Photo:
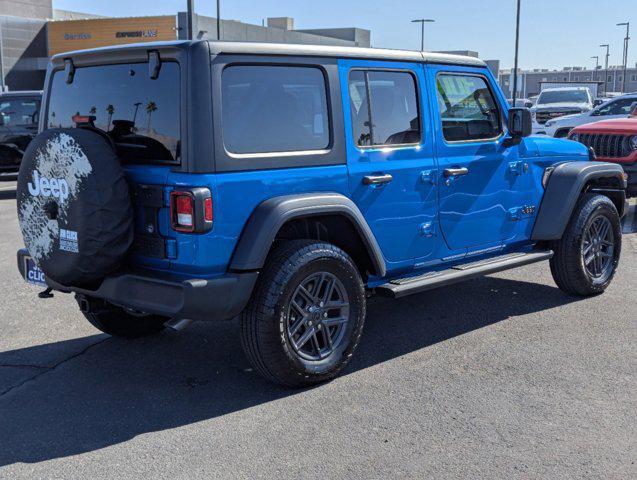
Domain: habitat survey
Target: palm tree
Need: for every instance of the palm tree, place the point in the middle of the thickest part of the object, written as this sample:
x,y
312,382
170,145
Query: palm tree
x,y
110,109
150,108
93,110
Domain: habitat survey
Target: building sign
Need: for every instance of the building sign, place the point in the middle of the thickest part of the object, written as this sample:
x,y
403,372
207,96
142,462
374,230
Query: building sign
x,y
137,34
67,35
77,36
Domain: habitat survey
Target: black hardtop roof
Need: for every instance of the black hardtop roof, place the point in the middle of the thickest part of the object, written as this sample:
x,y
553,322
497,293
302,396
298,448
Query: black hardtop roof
x,y
285,49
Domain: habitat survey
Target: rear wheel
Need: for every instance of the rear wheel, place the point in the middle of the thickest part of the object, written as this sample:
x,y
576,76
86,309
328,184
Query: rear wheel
x,y
306,315
117,322
587,255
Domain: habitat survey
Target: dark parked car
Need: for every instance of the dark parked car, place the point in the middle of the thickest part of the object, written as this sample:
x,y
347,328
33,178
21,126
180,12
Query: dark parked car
x,y
19,115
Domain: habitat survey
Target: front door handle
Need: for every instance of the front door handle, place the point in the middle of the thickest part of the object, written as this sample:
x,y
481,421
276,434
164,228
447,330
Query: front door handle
x,y
455,172
377,179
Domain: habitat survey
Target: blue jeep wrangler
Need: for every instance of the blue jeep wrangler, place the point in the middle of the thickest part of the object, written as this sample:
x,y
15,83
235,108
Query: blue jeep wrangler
x,y
285,183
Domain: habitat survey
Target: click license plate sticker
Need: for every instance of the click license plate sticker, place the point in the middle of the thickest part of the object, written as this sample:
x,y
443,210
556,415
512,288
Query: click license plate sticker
x,y
68,241
32,273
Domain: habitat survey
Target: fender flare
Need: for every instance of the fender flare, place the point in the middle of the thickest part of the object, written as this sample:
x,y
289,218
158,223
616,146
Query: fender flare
x,y
564,187
269,216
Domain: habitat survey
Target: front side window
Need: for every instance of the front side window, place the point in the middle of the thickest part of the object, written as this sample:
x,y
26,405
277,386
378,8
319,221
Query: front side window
x,y
467,108
140,114
268,109
384,108
618,107
19,112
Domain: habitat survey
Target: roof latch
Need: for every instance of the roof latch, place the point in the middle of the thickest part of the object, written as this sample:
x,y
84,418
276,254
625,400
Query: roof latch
x,y
154,64
69,70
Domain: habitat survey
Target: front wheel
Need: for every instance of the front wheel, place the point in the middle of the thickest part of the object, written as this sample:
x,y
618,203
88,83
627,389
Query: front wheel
x,y
306,314
587,255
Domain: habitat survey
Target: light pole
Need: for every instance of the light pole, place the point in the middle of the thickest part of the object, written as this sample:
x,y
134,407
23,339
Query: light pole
x,y
422,22
627,25
218,19
517,49
190,12
607,47
596,57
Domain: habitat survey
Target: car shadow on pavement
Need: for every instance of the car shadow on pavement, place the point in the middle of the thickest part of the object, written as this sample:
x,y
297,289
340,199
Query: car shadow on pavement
x,y
105,391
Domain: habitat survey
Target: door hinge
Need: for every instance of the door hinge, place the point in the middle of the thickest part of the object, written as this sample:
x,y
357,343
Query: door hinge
x,y
428,229
519,167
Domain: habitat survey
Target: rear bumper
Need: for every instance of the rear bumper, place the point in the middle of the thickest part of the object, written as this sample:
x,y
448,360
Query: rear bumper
x,y
199,299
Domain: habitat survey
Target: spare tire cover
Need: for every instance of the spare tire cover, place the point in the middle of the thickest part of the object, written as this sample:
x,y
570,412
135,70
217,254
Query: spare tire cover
x,y
74,207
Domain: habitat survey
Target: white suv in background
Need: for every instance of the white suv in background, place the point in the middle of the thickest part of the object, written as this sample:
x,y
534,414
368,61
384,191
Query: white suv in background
x,y
617,108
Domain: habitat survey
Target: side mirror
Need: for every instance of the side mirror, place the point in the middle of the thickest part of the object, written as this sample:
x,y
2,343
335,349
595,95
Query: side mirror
x,y
597,102
520,123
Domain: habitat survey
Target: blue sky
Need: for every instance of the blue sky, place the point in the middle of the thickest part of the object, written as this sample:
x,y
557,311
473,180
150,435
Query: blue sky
x,y
554,33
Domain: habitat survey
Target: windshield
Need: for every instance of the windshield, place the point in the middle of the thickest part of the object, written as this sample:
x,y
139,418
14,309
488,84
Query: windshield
x,y
19,111
566,96
140,114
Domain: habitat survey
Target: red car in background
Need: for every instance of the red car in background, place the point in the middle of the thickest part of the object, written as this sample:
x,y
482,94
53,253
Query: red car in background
x,y
613,141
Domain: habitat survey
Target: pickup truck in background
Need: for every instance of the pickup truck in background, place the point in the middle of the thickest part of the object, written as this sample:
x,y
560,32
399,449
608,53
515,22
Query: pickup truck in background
x,y
558,102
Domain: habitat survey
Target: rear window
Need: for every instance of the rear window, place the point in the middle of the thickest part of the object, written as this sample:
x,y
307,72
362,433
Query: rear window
x,y
140,114
19,111
274,109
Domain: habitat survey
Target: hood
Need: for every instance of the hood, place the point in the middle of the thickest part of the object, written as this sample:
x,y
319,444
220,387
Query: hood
x,y
559,147
568,117
617,126
549,107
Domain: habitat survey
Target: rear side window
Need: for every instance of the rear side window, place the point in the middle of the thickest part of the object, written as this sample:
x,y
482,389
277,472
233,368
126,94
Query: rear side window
x,y
267,109
19,112
467,108
384,108
140,114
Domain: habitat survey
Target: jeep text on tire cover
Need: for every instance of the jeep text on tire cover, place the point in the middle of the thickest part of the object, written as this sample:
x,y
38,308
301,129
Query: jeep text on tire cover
x,y
286,183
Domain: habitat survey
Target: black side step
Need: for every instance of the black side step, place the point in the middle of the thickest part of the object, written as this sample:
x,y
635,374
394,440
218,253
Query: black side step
x,y
406,286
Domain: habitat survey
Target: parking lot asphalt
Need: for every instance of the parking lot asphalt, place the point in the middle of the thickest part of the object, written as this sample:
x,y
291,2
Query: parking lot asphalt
x,y
501,377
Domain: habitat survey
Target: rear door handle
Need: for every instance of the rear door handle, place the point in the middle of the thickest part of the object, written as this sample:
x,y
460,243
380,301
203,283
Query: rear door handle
x,y
455,172
377,179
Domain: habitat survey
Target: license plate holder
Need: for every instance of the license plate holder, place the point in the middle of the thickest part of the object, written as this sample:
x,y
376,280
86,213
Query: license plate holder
x,y
32,273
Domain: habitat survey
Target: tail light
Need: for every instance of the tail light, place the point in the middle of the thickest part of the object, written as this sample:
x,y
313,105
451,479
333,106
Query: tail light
x,y
191,210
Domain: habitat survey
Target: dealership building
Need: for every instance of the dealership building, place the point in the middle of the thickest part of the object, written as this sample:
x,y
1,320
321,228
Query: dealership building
x,y
32,30
530,81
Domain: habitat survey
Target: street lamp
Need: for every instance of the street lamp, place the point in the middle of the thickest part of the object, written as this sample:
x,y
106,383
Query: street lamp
x,y
607,47
422,22
627,25
596,57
